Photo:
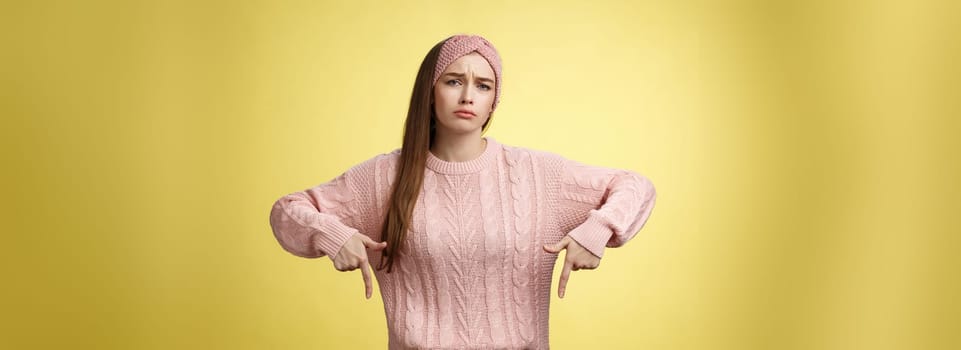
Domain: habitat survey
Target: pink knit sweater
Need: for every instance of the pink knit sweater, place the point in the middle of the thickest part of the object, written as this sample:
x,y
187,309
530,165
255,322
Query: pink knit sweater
x,y
473,273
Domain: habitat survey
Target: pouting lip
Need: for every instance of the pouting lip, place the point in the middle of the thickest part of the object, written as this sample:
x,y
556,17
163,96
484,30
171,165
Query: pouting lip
x,y
465,111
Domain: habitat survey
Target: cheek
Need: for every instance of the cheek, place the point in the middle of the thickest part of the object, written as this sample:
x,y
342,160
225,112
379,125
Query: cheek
x,y
444,97
489,101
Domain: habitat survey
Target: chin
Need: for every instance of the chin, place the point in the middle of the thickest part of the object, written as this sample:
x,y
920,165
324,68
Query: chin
x,y
462,126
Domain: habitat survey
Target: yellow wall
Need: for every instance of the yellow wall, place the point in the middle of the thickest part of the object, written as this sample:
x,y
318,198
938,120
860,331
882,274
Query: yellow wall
x,y
805,156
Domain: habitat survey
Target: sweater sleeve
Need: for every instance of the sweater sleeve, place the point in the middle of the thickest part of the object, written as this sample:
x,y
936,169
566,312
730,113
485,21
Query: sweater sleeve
x,y
603,207
318,221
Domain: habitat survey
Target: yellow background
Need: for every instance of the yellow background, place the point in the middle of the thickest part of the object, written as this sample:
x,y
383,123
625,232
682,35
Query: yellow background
x,y
805,157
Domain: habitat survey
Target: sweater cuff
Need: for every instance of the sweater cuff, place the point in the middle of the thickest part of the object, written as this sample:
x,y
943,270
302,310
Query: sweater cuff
x,y
593,235
333,238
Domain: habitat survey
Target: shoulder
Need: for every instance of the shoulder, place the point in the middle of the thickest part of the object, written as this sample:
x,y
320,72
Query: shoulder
x,y
547,165
538,157
379,161
556,167
387,162
373,167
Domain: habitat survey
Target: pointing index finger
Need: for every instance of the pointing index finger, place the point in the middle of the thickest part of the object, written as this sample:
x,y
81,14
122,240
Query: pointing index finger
x,y
565,275
368,290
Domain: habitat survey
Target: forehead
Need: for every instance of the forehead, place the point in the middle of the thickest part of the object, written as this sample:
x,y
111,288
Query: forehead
x,y
472,62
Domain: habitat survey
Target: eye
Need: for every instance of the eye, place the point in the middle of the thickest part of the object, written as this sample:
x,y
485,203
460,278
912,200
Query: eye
x,y
452,81
485,86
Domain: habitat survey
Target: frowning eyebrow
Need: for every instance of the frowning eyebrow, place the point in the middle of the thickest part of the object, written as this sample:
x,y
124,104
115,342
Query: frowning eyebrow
x,y
461,75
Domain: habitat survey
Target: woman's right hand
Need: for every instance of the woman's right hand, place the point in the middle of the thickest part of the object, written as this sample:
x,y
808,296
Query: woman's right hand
x,y
353,255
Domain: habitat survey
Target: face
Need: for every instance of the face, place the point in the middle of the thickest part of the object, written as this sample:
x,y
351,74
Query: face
x,y
466,85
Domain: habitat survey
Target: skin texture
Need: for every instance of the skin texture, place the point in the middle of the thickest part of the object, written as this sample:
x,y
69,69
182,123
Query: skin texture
x,y
462,86
577,258
467,83
353,255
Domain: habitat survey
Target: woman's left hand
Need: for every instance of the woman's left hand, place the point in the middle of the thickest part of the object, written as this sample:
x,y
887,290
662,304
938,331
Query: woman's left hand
x,y
577,258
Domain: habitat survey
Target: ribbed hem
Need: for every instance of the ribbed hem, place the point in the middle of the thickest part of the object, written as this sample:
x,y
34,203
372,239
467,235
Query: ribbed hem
x,y
333,238
593,235
471,166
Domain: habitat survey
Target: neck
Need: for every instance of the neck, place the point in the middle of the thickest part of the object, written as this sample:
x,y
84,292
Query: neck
x,y
458,148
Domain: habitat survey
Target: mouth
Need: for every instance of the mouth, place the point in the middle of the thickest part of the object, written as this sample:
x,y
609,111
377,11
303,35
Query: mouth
x,y
464,114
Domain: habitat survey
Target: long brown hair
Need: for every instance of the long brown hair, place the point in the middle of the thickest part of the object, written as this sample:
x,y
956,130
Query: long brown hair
x,y
418,138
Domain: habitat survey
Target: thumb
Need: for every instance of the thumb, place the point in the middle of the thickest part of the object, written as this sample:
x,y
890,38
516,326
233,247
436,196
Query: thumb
x,y
557,247
374,245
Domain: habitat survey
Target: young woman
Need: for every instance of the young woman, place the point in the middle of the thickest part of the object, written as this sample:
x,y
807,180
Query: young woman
x,y
465,230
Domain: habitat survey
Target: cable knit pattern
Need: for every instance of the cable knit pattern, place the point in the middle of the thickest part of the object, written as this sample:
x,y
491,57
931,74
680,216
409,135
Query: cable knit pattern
x,y
520,193
472,274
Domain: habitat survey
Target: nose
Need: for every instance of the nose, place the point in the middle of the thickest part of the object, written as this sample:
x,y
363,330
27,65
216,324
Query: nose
x,y
467,95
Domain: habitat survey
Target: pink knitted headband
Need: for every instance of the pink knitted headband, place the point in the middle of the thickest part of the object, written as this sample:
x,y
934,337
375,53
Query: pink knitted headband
x,y
460,45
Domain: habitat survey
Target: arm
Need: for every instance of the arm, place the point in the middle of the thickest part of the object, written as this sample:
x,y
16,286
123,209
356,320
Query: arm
x,y
319,220
608,206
